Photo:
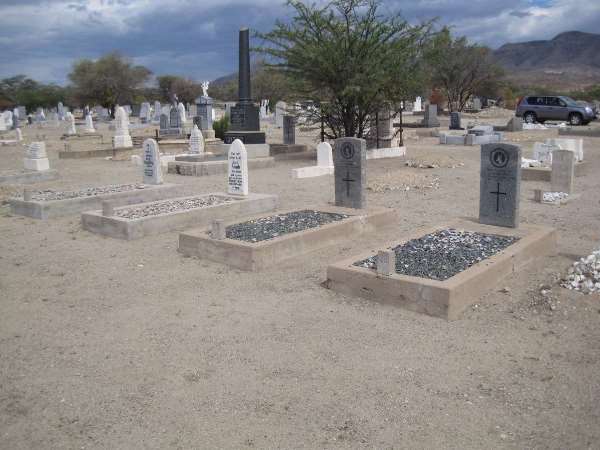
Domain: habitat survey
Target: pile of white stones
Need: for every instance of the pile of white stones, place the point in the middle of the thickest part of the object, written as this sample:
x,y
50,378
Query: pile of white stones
x,y
89,192
168,206
584,275
552,197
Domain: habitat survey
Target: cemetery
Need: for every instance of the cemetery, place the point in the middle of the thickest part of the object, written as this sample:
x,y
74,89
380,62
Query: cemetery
x,y
260,237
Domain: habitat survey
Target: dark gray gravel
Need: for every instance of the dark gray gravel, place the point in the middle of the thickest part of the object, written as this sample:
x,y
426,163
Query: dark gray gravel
x,y
443,254
168,206
89,192
270,227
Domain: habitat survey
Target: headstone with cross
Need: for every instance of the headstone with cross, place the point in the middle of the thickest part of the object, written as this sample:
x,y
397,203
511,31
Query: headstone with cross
x,y
350,170
500,184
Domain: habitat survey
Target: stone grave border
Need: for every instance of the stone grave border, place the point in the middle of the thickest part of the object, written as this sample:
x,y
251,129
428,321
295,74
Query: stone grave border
x,y
45,209
581,132
128,229
203,168
448,298
261,255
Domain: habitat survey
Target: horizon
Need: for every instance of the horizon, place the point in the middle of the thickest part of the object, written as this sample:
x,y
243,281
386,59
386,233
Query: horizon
x,y
176,37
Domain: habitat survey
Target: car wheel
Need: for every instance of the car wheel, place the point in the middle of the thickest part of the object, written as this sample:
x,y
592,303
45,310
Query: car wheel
x,y
530,117
575,119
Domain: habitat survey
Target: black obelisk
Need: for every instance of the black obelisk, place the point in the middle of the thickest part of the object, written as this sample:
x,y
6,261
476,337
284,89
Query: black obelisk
x,y
244,120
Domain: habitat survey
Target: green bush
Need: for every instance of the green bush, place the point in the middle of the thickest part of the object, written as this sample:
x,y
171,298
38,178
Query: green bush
x,y
221,126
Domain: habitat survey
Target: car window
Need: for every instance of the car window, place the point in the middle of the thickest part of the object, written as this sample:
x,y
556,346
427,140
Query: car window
x,y
532,100
552,101
562,103
541,101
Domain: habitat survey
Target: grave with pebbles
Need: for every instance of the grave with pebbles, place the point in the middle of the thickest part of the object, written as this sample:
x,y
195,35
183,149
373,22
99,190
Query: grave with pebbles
x,y
267,240
584,275
139,220
49,203
441,271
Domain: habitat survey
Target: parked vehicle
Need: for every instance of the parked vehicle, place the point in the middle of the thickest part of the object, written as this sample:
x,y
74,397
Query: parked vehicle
x,y
539,108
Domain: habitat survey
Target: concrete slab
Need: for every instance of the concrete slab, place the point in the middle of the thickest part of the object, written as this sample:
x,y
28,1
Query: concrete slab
x,y
380,153
283,149
204,168
260,255
123,228
97,153
579,131
445,299
39,209
545,173
29,176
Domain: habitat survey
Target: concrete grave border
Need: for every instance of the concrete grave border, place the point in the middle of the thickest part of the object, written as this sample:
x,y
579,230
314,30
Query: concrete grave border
x,y
29,176
128,229
260,255
204,168
448,298
545,173
40,209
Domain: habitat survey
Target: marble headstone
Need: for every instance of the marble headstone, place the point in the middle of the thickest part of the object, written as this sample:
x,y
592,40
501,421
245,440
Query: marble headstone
x,y
36,157
500,185
237,178
89,124
324,155
70,118
417,107
122,139
151,163
350,172
196,141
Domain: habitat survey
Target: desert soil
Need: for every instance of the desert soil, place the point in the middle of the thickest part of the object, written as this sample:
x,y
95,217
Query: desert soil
x,y
109,344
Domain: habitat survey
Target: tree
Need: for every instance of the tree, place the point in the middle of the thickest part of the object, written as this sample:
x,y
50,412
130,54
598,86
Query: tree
x,y
346,56
459,69
21,90
108,81
185,89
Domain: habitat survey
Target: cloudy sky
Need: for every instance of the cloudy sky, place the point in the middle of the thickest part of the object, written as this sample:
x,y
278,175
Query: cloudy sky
x,y
198,38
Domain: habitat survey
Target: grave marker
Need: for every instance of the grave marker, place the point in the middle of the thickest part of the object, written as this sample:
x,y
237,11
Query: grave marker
x,y
152,167
350,172
500,183
563,171
238,169
196,141
289,130
431,120
455,122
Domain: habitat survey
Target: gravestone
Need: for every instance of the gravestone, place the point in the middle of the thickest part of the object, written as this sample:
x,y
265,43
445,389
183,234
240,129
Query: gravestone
x,y
174,118
500,185
237,177
350,172
196,141
164,122
152,167
36,157
181,111
122,139
22,112
289,130
515,124
199,122
19,135
280,109
476,104
563,171
70,118
204,108
157,110
89,124
381,133
455,122
324,155
145,112
417,107
431,120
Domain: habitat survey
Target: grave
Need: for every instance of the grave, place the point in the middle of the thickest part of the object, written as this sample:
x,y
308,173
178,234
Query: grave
x,y
280,111
455,121
514,124
244,119
89,124
324,164
48,203
171,125
417,107
144,219
350,172
71,130
579,131
152,163
430,120
267,240
442,270
122,139
36,157
196,141
477,135
563,171
289,145
539,168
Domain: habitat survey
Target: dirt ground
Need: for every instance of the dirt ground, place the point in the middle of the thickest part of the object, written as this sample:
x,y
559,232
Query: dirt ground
x,y
108,344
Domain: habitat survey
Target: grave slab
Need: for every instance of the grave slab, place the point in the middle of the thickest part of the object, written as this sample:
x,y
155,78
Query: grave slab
x,y
447,298
381,153
579,131
45,209
545,173
134,221
255,256
27,176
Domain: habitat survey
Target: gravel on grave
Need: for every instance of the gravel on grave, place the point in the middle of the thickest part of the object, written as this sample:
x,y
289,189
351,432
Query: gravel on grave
x,y
273,226
168,206
443,254
89,192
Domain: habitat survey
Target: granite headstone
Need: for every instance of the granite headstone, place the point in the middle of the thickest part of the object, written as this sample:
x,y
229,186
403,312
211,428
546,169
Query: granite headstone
x,y
350,170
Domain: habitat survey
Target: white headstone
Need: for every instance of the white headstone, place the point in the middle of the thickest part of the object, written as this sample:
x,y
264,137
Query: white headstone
x,y
157,110
89,124
16,114
71,130
61,111
280,111
324,155
19,135
3,122
238,169
181,110
36,157
417,107
574,145
196,141
152,168
122,139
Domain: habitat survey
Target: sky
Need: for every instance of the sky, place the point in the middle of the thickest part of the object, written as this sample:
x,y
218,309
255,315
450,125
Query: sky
x,y
198,38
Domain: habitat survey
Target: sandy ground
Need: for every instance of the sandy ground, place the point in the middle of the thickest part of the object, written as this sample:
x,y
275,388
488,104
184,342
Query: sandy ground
x,y
107,344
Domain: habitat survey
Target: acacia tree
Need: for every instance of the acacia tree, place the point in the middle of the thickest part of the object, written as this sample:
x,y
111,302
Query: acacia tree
x,y
348,57
108,81
459,69
185,89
